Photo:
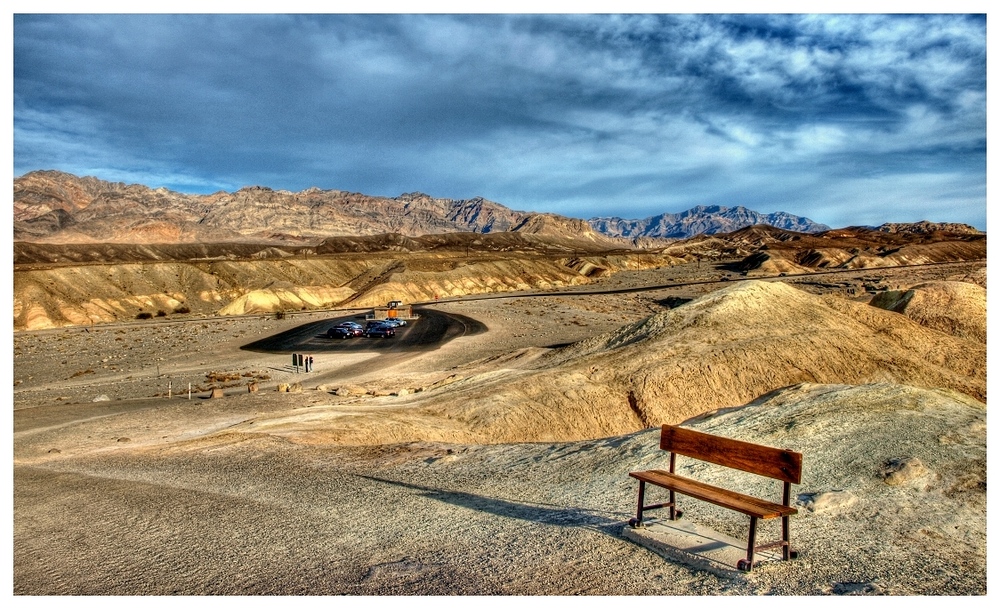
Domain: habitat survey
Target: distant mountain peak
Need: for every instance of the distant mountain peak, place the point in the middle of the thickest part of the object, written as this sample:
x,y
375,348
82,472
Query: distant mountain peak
x,y
702,220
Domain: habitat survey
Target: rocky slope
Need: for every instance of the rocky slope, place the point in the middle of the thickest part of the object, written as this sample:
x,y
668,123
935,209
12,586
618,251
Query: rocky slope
x,y
56,207
59,285
892,502
927,227
954,307
88,251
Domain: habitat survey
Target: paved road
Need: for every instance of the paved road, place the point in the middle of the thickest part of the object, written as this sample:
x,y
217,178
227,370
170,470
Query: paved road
x,y
432,329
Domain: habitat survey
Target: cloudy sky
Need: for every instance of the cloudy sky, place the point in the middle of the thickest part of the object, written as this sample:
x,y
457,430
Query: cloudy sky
x,y
845,119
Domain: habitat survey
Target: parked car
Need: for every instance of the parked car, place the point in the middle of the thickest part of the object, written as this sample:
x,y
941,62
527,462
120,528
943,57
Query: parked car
x,y
394,322
380,331
353,327
340,332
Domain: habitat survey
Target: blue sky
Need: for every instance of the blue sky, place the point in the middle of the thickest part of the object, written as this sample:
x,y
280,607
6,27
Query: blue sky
x,y
845,119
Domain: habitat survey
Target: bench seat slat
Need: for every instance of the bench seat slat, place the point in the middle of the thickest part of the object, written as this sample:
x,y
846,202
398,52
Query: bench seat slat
x,y
746,504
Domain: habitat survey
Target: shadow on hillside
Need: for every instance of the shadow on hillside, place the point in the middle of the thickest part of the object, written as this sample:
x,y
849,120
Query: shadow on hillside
x,y
736,266
672,302
534,512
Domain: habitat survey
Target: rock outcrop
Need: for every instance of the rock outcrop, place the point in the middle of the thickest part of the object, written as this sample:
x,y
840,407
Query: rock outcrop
x,y
953,307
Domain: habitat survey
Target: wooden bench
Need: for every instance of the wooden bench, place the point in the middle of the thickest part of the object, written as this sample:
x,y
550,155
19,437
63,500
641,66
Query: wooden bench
x,y
783,465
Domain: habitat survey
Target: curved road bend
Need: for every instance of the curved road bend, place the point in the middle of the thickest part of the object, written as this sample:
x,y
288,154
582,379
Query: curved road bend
x,y
430,331
433,328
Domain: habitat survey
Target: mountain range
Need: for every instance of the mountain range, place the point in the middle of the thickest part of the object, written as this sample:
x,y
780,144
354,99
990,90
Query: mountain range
x,y
57,207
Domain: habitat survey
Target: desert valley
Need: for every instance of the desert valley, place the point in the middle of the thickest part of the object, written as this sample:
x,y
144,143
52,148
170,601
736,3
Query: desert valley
x,y
165,444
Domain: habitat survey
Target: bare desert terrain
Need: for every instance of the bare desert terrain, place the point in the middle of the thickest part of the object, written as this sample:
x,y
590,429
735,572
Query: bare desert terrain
x,y
495,461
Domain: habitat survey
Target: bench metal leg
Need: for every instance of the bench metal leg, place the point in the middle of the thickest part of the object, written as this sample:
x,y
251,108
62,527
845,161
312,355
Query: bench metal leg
x,y
747,564
641,508
787,553
786,535
637,521
786,539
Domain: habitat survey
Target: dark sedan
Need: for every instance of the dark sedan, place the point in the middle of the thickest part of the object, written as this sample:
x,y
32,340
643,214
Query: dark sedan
x,y
340,332
380,331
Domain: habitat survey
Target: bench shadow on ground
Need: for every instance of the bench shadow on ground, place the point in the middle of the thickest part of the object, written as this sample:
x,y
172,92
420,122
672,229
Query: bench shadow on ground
x,y
602,521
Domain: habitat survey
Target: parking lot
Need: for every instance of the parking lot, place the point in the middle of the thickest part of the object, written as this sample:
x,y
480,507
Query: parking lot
x,y
428,330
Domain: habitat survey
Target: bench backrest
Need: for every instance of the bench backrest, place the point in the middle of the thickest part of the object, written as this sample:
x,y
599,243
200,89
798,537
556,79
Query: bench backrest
x,y
774,463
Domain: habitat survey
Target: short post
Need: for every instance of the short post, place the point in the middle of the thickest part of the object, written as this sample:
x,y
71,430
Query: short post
x,y
170,390
189,391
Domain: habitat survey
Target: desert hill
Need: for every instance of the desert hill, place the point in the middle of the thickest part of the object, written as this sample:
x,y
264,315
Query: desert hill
x,y
926,227
721,350
32,255
56,207
778,251
495,462
372,271
70,284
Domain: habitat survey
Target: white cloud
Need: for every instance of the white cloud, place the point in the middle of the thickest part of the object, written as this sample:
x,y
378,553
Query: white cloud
x,y
582,112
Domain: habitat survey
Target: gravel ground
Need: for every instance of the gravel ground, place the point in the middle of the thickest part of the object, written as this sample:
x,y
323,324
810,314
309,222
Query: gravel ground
x,y
254,515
